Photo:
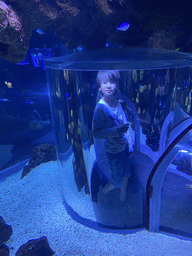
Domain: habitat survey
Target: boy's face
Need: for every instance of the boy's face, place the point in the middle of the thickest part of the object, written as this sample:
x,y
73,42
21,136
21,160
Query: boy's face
x,y
108,89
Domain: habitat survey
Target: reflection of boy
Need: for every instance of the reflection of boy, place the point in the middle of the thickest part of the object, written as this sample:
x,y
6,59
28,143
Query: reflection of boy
x,y
110,123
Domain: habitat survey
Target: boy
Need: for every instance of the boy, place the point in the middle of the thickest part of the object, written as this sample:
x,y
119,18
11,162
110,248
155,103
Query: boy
x,y
110,123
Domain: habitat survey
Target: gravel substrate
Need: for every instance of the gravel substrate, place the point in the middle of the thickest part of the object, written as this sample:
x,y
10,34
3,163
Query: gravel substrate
x,y
33,207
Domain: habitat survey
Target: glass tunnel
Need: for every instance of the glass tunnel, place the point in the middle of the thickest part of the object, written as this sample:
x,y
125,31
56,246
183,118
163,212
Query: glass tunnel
x,y
155,90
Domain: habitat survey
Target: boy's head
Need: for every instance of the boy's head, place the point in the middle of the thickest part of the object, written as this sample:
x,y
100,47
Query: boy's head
x,y
108,81
111,76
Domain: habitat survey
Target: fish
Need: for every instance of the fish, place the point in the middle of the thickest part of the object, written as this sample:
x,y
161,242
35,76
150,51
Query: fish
x,y
68,96
40,32
29,102
9,84
79,48
123,27
4,100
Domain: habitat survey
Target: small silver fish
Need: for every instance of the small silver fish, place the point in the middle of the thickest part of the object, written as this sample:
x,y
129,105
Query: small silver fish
x,y
123,27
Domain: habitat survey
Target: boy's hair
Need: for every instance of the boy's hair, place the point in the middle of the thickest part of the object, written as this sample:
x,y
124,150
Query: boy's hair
x,y
112,76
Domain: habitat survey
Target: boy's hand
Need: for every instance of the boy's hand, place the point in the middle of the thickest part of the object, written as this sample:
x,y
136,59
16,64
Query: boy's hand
x,y
122,128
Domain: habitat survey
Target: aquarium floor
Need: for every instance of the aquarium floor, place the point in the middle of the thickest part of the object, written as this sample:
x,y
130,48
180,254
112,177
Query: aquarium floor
x,y
33,207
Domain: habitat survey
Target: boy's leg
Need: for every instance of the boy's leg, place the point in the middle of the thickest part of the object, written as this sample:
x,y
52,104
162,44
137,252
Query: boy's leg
x,y
126,174
116,165
120,171
108,187
123,189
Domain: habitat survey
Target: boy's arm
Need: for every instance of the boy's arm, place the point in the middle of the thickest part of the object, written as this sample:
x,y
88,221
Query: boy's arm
x,y
101,128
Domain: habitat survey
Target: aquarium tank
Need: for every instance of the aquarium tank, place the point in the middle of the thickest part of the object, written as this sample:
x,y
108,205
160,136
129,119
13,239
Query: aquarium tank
x,y
25,120
155,90
25,112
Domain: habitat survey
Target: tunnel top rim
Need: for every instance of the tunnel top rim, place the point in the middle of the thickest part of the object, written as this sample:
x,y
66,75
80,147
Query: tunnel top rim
x,y
121,59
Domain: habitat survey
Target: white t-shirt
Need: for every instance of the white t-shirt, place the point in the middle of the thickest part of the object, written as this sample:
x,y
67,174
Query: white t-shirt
x,y
120,118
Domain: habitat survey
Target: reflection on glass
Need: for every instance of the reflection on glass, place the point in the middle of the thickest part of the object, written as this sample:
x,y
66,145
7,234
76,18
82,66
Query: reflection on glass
x,y
110,123
176,204
155,101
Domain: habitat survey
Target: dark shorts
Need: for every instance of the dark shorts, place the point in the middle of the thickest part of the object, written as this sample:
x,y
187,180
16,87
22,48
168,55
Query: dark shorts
x,y
120,166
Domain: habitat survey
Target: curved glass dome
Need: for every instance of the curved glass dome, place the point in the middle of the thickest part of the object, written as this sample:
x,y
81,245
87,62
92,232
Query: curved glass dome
x,y
155,91
121,59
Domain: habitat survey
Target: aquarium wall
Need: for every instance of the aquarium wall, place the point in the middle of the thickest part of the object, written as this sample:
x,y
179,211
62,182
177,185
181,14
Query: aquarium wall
x,y
25,119
155,89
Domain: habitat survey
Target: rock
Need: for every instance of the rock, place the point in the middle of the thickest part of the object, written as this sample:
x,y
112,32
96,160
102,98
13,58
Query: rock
x,y
76,23
14,38
4,249
35,247
5,230
25,171
169,39
50,154
43,154
45,147
37,155
3,16
32,164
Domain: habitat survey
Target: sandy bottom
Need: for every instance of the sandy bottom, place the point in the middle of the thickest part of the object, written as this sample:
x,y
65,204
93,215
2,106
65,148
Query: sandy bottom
x,y
33,207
